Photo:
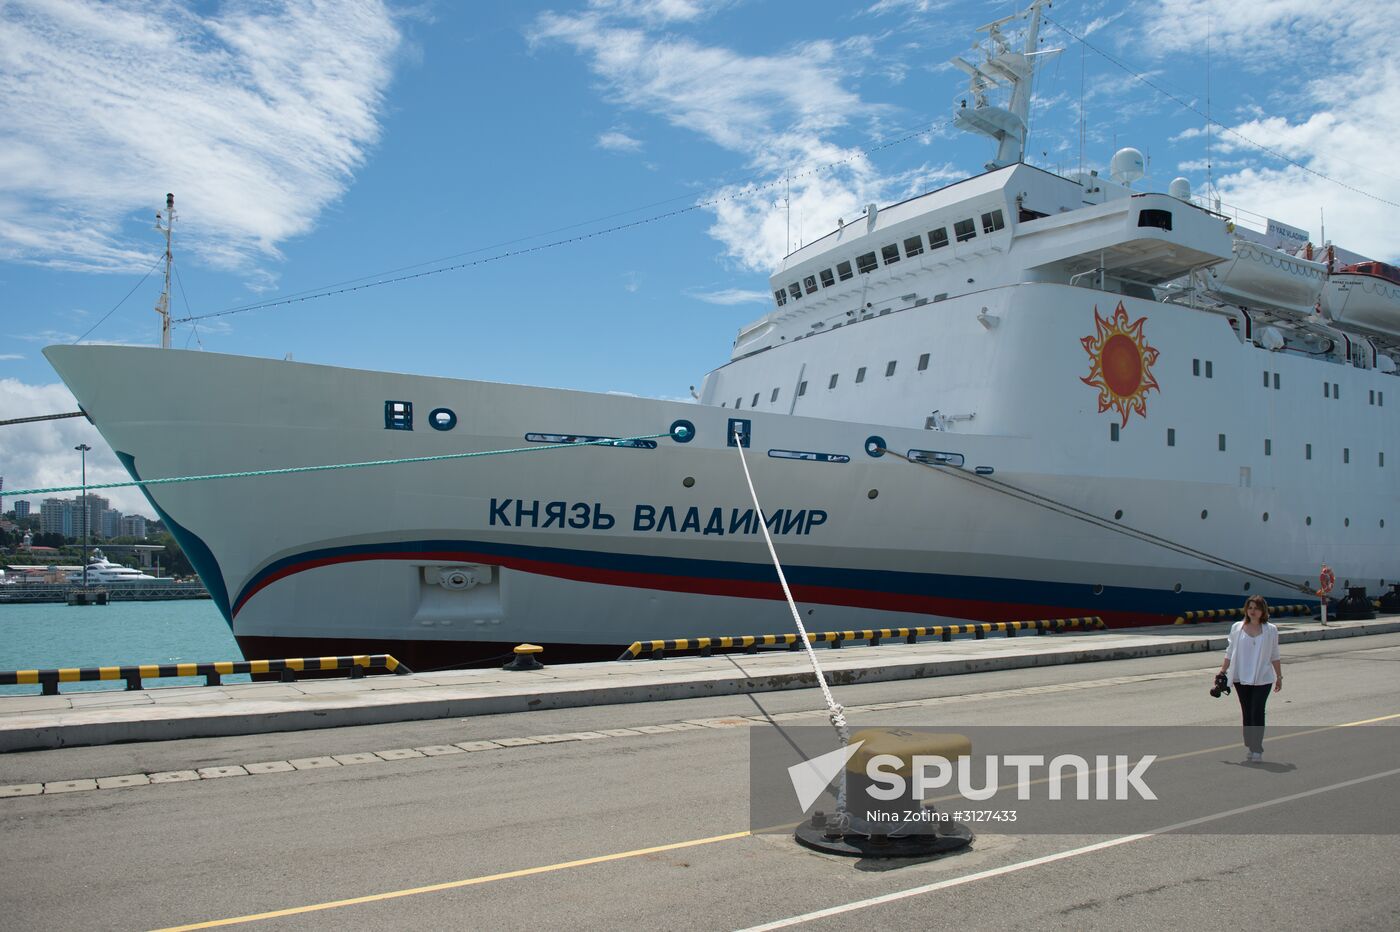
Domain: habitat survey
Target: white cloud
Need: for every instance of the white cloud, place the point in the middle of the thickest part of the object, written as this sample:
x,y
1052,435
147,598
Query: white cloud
x,y
41,455
616,141
777,110
254,115
10,356
1343,110
730,296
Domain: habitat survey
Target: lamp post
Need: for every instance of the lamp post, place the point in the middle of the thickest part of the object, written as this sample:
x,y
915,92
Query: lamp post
x,y
83,448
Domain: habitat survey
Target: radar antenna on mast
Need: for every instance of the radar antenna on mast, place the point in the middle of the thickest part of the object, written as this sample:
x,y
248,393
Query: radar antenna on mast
x,y
1004,68
163,304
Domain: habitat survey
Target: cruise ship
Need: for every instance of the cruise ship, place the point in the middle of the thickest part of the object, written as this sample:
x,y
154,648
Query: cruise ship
x,y
1024,395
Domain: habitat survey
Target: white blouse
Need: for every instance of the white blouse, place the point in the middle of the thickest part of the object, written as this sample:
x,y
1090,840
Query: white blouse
x,y
1251,658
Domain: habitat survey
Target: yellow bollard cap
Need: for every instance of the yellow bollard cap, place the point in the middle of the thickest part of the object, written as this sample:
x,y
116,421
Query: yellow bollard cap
x,y
904,744
529,649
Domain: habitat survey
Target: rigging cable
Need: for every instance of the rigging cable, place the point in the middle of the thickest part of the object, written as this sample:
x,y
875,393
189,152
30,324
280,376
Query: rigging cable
x,y
122,301
1196,110
352,285
1069,511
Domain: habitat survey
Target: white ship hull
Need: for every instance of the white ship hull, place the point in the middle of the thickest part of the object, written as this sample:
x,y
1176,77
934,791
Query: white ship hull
x,y
586,549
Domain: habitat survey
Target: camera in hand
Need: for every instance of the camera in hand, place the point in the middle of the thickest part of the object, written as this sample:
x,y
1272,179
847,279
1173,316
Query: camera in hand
x,y
1222,685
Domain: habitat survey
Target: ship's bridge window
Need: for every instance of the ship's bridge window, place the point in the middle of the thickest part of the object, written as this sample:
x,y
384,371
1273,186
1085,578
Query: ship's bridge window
x,y
781,296
923,362
810,283
795,290
938,238
890,253
774,398
913,246
866,263
1161,219
843,270
832,383
889,369
860,375
801,389
754,403
827,278
993,221
964,230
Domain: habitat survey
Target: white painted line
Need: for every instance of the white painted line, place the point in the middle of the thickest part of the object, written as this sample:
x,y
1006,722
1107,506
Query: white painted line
x,y
1058,856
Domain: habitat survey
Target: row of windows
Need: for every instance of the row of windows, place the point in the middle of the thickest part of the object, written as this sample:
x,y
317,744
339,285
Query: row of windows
x,y
831,383
1114,433
963,230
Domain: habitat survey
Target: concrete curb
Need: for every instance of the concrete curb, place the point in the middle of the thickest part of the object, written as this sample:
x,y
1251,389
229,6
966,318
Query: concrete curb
x,y
74,728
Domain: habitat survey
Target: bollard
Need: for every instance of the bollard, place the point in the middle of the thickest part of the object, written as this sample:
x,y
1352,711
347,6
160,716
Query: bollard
x,y
525,658
1355,607
915,834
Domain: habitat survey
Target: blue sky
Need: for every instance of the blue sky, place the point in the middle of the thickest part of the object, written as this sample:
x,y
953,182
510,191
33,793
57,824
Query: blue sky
x,y
315,143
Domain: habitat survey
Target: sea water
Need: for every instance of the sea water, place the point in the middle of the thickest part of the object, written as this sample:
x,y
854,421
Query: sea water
x,y
46,636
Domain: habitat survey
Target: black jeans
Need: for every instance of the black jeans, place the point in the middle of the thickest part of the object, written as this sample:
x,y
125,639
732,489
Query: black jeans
x,y
1252,702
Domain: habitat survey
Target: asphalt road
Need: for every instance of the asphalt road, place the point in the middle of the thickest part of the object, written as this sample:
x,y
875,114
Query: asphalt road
x,y
650,830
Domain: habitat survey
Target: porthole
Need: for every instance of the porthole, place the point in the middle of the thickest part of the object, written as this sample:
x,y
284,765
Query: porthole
x,y
1246,587
688,482
1204,513
442,418
873,493
1098,589
1382,522
1266,516
1117,515
1308,521
1346,522
1176,588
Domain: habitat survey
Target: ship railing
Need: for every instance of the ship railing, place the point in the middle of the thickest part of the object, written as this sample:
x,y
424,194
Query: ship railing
x,y
872,637
286,670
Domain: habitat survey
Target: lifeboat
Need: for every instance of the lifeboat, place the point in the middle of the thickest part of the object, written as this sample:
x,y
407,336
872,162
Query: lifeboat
x,y
1258,276
1365,296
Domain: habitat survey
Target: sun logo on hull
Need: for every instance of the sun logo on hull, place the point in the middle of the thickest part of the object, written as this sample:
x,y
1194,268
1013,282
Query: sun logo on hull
x,y
1120,364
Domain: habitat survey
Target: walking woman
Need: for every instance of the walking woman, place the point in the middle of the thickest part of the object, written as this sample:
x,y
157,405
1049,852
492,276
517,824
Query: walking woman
x,y
1251,659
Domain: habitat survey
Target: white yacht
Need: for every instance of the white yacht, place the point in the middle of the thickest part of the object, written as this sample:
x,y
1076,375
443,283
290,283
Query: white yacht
x,y
1020,396
103,572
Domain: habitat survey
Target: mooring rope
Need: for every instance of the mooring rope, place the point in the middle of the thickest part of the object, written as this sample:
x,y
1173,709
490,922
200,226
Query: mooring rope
x,y
620,441
41,417
1069,511
835,712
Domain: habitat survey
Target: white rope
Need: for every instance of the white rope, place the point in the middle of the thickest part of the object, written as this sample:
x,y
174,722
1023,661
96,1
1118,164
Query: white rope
x,y
834,709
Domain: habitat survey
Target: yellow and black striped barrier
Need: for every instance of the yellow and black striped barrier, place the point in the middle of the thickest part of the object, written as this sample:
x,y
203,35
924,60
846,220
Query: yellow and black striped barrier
x,y
751,643
355,667
1220,614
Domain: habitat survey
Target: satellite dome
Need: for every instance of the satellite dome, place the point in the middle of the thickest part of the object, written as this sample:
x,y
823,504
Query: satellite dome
x,y
1180,189
1127,166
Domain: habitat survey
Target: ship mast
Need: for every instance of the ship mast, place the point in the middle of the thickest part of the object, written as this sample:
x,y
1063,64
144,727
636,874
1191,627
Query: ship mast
x,y
1004,67
163,304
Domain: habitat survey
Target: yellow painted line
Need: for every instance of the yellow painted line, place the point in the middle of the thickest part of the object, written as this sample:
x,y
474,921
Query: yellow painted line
x,y
456,884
